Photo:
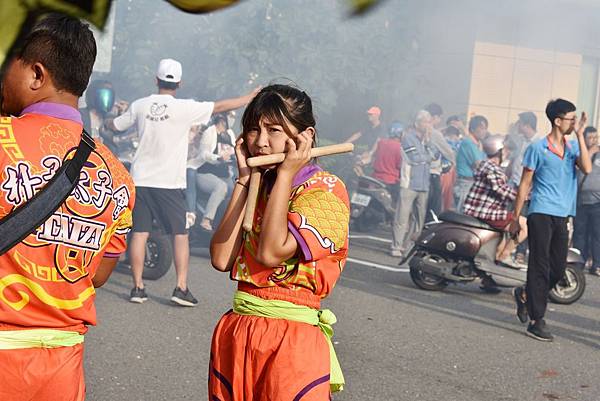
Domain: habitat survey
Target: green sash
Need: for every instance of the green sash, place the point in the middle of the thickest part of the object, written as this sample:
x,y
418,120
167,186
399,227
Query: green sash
x,y
39,338
246,304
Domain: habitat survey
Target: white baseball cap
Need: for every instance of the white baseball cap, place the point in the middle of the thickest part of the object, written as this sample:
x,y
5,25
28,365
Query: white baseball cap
x,y
169,70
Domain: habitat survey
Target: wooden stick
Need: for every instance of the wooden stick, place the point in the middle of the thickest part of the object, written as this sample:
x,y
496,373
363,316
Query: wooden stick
x,y
253,188
315,152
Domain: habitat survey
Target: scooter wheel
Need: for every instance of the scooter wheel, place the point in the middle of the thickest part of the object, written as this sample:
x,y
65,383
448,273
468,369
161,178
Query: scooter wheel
x,y
570,288
427,281
159,256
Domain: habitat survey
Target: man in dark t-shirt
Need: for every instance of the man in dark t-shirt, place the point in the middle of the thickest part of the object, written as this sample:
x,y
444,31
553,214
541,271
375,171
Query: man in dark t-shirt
x,y
374,130
366,139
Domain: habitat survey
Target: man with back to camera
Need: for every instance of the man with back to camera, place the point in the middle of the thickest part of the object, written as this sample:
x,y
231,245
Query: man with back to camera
x,y
387,159
549,171
47,280
159,170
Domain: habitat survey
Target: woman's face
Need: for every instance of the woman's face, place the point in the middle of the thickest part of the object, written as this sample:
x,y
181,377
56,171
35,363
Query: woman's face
x,y
268,138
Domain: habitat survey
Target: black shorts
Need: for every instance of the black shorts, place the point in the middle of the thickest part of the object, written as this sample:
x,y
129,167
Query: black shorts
x,y
166,206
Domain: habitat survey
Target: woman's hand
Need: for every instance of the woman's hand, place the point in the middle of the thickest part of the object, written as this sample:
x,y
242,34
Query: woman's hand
x,y
242,154
514,227
297,155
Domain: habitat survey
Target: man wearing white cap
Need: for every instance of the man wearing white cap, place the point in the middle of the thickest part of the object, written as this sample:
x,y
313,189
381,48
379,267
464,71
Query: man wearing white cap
x,y
159,170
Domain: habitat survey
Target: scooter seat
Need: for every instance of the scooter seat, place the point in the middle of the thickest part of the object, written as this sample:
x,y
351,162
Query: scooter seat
x,y
372,180
464,220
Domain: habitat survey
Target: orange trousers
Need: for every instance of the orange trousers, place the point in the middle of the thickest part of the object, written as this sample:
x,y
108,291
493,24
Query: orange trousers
x,y
42,374
262,359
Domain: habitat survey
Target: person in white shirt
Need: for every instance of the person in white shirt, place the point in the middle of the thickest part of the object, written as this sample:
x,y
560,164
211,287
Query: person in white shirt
x,y
159,170
210,169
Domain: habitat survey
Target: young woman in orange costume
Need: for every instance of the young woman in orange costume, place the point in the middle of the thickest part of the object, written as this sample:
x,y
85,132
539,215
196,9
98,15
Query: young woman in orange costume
x,y
275,344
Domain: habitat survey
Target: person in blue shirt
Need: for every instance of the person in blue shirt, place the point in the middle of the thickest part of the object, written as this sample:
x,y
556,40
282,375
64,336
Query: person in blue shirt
x,y
549,170
468,157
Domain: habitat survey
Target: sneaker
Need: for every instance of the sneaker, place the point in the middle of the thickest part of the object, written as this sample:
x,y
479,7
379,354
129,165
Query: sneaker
x,y
396,253
183,298
205,225
489,286
538,331
595,271
521,305
138,295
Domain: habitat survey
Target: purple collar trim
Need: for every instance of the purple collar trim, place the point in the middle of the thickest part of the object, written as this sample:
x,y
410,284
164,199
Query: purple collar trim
x,y
305,173
56,110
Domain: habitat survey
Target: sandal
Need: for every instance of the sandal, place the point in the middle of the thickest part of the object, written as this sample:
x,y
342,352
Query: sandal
x,y
205,225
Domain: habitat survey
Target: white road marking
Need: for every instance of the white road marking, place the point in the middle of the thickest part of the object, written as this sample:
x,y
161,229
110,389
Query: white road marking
x,y
359,236
378,266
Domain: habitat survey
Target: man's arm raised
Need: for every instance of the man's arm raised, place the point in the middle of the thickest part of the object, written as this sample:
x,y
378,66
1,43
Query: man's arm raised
x,y
235,103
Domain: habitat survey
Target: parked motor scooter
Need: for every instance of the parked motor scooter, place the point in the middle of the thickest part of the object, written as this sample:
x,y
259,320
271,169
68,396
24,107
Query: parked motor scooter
x,y
459,248
371,203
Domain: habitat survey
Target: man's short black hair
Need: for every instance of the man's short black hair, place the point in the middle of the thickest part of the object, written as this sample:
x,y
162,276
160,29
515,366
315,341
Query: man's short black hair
x,y
476,121
65,46
167,85
452,118
528,118
451,131
434,109
558,108
589,130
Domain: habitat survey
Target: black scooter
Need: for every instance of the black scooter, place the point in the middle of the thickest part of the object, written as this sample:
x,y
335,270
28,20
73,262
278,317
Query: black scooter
x,y
459,248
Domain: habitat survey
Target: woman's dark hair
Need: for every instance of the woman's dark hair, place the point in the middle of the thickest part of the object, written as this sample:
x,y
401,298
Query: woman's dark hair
x,y
282,105
558,108
167,85
65,46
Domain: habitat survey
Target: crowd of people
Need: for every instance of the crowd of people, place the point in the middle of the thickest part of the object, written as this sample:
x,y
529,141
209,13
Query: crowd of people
x,y
517,183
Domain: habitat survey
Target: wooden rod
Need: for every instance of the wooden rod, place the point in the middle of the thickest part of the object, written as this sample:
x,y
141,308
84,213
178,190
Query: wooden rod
x,y
253,188
315,152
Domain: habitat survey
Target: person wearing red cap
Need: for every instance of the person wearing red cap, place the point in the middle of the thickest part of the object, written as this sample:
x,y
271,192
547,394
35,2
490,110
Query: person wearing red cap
x,y
366,139
368,136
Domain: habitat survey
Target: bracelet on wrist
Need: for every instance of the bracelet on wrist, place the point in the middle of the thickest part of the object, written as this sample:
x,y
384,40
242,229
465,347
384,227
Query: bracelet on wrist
x,y
243,185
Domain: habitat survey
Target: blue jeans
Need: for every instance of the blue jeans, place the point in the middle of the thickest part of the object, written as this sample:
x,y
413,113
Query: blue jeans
x,y
209,183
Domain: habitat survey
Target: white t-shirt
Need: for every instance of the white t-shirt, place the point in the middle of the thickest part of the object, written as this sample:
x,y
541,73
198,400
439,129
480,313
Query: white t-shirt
x,y
163,124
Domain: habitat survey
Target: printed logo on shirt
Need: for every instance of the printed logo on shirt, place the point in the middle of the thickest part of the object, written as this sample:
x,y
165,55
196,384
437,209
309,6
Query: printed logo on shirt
x,y
73,231
158,112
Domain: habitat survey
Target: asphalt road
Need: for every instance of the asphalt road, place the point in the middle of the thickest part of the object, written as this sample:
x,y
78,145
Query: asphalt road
x,y
394,341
